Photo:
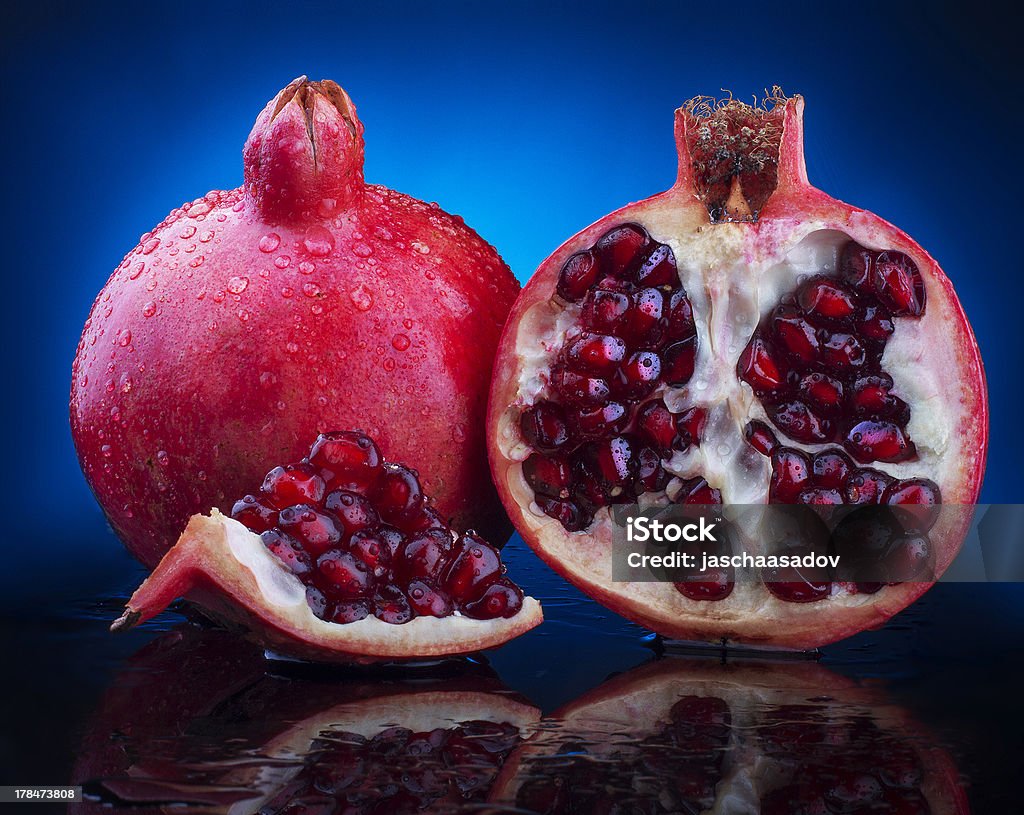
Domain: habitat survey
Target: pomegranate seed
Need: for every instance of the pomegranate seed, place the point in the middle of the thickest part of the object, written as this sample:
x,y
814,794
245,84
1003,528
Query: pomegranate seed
x,y
349,611
429,518
500,599
909,558
294,484
650,475
874,323
902,768
791,473
317,602
354,511
717,589
866,486
288,551
614,460
544,426
425,556
822,391
474,566
398,496
547,475
677,362
830,469
347,460
391,605
853,790
760,437
820,496
595,354
601,420
370,547
796,589
870,395
656,426
429,601
843,352
856,266
256,513
826,298
620,250
567,513
878,441
316,531
580,390
795,335
659,268
603,311
588,489
798,421
639,376
918,500
342,576
680,317
690,426
759,367
579,273
642,325
898,284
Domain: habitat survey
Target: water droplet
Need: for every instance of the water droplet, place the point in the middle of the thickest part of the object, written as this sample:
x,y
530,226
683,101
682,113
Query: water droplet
x,y
269,242
206,237
150,246
162,458
124,337
218,296
389,364
318,241
407,322
307,267
137,270
287,291
149,309
196,262
106,450
237,284
187,232
362,297
422,248
400,342
282,261
459,432
291,347
311,290
362,250
243,315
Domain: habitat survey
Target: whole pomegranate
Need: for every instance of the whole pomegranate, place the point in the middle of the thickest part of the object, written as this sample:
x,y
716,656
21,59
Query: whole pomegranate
x,y
741,338
305,300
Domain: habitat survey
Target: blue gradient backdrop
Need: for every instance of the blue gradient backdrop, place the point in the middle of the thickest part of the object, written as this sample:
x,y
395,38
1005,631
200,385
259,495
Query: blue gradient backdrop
x,y
530,120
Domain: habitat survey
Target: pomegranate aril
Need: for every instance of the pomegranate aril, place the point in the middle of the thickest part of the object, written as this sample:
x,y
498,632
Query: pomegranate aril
x,y
639,376
918,500
474,566
690,426
830,468
650,475
316,531
355,512
760,367
547,475
678,360
658,268
391,605
874,323
578,389
288,551
614,460
256,513
794,334
500,599
544,426
866,486
791,586
347,611
398,496
856,266
870,395
791,474
680,317
603,311
428,518
588,489
579,273
711,590
822,391
656,425
826,298
820,496
425,555
843,352
341,576
595,354
898,284
317,602
294,484
909,558
568,513
798,421
429,601
619,250
642,325
372,549
760,437
347,460
878,441
599,420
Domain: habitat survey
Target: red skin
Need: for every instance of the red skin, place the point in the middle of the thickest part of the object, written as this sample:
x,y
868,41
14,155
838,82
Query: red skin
x,y
230,375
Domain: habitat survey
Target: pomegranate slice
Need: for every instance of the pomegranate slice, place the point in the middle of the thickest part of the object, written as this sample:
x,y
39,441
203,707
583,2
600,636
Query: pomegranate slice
x,y
775,739
362,574
746,332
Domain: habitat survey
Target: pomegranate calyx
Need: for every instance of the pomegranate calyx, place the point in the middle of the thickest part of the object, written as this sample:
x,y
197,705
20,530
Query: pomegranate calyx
x,y
226,566
306,147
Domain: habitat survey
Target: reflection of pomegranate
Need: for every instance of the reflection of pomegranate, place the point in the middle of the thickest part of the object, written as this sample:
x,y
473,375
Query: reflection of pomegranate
x,y
741,338
306,300
699,736
193,719
341,557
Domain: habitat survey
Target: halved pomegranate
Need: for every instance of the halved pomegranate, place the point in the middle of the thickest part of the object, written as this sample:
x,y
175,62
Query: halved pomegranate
x,y
741,338
775,739
341,557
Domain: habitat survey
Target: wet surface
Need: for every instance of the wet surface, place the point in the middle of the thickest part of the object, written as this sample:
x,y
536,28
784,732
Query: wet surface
x,y
584,714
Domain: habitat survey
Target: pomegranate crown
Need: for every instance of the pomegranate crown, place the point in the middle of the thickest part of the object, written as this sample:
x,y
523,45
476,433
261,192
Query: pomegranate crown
x,y
304,155
734,156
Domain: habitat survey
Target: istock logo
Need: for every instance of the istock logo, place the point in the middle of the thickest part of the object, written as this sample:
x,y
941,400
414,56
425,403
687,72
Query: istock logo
x,y
642,530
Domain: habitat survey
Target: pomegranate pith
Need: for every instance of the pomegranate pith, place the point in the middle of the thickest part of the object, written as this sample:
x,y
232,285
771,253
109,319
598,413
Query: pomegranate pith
x,y
806,352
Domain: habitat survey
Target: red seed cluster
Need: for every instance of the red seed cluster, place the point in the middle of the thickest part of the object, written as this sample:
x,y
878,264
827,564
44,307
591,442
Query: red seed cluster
x,y
599,436
362,536
815,362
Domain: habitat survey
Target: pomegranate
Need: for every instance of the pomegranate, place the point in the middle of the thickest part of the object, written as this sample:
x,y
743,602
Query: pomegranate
x,y
251,319
769,738
222,735
341,558
741,338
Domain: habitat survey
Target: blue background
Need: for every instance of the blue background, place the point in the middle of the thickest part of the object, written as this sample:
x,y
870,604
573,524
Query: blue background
x,y
530,120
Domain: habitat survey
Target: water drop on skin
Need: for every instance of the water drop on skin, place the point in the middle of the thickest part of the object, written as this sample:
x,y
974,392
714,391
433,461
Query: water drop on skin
x,y
269,242
236,285
400,342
